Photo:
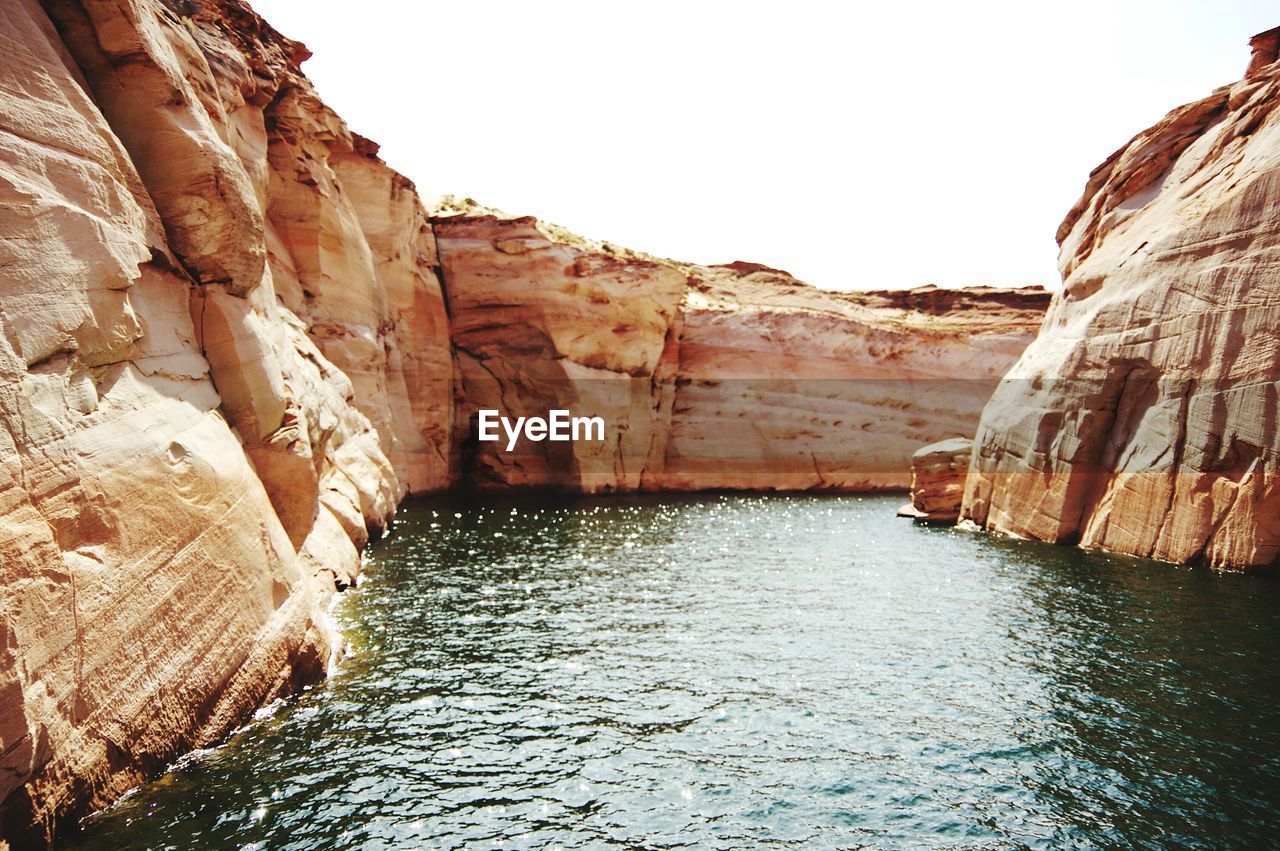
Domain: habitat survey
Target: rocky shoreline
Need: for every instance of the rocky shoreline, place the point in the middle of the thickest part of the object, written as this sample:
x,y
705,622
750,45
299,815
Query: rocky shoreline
x,y
235,339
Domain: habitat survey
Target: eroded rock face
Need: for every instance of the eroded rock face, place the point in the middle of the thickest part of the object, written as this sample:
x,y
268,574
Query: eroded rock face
x,y
937,480
1143,418
192,244
784,386
727,377
226,356
541,324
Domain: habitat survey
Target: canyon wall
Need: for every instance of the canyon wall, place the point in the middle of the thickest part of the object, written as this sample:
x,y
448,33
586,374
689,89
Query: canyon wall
x,y
233,339
710,377
225,358
1143,418
784,386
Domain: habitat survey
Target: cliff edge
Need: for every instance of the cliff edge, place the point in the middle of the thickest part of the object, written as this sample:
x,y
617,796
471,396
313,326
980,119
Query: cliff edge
x,y
730,377
206,285
1142,420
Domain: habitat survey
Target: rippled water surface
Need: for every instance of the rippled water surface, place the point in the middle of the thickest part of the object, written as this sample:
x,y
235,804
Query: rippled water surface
x,y
737,672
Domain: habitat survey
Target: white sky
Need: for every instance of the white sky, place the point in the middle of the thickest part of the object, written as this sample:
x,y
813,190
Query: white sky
x,y
857,146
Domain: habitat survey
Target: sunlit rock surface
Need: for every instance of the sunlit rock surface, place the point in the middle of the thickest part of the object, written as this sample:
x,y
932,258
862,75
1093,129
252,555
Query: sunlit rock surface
x,y
185,471
227,355
782,385
1143,418
734,376
937,480
542,324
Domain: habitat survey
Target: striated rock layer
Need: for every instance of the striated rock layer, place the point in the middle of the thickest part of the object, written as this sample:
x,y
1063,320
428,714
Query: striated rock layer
x,y
1143,418
225,358
781,385
938,474
227,354
722,377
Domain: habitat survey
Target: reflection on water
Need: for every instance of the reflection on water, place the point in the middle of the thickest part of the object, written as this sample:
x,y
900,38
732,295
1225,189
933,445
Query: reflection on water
x,y
742,671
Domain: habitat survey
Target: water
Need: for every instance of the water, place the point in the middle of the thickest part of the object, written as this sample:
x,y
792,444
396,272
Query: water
x,y
739,672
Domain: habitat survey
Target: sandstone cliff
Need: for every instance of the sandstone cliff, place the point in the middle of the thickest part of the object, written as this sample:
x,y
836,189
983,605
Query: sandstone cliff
x,y
785,386
1143,418
227,353
721,377
206,286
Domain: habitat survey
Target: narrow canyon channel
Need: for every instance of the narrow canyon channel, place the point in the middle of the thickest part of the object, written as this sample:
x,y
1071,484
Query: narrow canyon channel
x,y
730,671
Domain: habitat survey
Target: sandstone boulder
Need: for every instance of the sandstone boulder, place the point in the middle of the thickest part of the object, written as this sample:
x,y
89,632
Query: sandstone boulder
x,y
937,480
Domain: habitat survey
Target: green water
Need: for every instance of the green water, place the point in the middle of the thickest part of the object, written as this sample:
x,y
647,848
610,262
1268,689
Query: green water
x,y
738,672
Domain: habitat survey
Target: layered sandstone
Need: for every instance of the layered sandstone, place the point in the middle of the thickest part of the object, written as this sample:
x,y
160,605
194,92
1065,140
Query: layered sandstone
x,y
722,377
227,354
541,324
224,356
781,385
1143,418
938,474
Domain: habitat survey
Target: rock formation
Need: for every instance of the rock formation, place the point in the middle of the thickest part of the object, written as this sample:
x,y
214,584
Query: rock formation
x,y
226,356
788,387
206,286
1143,418
721,377
540,324
937,481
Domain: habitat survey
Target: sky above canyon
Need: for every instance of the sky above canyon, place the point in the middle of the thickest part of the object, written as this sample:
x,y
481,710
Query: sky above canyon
x,y
856,146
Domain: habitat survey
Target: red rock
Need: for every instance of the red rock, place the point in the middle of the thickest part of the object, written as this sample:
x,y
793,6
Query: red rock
x,y
937,480
1142,419
722,377
226,356
181,468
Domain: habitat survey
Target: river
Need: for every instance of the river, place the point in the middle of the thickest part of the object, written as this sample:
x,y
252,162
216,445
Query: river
x,y
749,671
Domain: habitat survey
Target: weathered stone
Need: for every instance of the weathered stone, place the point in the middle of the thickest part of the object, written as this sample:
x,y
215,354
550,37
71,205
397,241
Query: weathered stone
x,y
1143,418
181,468
937,480
225,355
710,377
